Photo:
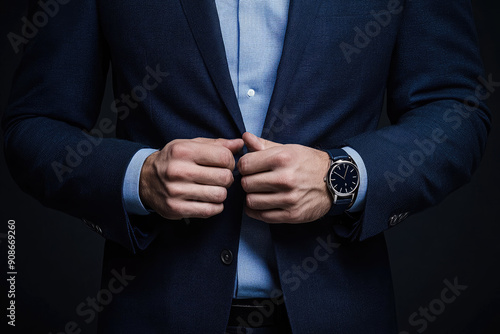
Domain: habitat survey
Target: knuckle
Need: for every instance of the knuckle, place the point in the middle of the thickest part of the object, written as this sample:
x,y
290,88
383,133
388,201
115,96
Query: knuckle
x,y
218,141
286,179
226,158
173,172
291,199
243,165
250,201
266,217
180,150
166,148
172,190
283,158
205,212
227,177
254,214
293,215
186,174
218,209
159,168
209,211
244,183
220,195
171,206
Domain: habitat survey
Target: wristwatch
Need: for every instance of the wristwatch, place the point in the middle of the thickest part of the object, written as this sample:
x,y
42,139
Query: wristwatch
x,y
342,181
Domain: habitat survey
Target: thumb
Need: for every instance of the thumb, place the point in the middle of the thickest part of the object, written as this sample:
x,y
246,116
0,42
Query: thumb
x,y
255,143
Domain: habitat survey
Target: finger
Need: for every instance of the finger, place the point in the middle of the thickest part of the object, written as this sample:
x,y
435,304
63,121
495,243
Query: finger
x,y
203,175
193,209
255,162
255,143
234,145
270,201
197,192
262,161
214,156
270,181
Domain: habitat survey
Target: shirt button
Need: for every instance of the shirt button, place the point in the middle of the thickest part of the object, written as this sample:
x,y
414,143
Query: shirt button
x,y
226,256
251,93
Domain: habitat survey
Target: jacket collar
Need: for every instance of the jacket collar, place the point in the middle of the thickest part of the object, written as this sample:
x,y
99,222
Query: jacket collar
x,y
204,22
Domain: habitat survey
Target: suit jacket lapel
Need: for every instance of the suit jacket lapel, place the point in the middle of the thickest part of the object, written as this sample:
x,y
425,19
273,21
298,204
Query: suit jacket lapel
x,y
301,17
204,22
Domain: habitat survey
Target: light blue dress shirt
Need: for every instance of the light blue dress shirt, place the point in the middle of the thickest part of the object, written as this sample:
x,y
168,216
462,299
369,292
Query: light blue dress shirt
x,y
253,34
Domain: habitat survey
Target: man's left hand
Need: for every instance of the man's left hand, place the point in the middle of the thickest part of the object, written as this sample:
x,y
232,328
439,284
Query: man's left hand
x,y
284,183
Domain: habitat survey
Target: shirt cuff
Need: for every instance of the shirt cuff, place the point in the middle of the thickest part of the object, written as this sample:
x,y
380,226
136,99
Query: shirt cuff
x,y
359,203
131,198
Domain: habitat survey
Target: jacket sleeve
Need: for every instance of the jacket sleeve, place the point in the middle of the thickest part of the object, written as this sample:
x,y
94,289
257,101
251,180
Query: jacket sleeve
x,y
436,104
55,100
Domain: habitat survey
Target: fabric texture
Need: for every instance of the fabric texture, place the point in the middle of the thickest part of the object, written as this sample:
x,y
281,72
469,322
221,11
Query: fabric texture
x,y
330,84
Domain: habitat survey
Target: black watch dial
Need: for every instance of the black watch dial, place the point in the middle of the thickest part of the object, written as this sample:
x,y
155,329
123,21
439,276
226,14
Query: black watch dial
x,y
344,178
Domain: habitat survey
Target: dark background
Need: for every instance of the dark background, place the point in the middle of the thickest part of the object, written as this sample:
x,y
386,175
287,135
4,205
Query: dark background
x,y
59,258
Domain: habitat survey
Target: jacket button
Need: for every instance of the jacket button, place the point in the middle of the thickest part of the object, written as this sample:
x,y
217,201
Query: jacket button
x,y
98,229
226,256
394,220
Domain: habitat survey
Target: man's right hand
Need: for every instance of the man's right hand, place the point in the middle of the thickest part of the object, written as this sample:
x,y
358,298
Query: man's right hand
x,y
189,178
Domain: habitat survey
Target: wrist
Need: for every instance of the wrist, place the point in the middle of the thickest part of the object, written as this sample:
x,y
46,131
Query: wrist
x,y
147,177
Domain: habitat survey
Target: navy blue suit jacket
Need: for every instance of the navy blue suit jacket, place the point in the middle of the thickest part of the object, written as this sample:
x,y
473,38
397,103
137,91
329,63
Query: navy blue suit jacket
x,y
338,61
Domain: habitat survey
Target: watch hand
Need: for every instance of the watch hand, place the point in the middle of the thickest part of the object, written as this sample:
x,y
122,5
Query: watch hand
x,y
345,173
340,175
